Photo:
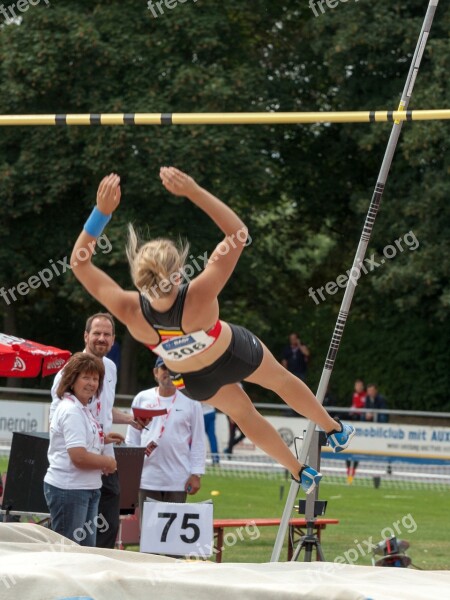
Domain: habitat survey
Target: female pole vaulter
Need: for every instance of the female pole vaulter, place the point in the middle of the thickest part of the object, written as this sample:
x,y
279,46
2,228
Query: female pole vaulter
x,y
180,321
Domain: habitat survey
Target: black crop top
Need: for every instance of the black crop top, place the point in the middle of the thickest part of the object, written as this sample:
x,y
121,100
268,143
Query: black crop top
x,y
166,324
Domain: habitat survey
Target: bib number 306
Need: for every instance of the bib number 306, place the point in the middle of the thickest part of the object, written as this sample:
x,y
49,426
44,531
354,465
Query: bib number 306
x,y
184,346
186,351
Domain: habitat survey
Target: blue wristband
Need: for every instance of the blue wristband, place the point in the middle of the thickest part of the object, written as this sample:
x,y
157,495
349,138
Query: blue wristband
x,y
96,223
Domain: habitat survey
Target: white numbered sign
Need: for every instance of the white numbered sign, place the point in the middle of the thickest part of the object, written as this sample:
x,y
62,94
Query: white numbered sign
x,y
177,529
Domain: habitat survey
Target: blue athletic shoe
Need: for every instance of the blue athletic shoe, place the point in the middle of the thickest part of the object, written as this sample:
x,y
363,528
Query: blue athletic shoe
x,y
309,478
340,439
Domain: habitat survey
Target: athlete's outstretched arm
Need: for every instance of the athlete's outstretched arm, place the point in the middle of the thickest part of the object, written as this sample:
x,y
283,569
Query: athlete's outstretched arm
x,y
104,289
224,258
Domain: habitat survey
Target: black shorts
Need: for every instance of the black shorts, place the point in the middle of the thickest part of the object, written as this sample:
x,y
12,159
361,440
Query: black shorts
x,y
242,357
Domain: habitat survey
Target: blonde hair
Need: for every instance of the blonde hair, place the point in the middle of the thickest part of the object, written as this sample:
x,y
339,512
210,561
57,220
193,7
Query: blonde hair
x,y
153,263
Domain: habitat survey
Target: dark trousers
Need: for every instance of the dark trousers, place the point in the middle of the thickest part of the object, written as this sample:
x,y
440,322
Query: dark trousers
x,y
160,496
109,507
210,429
235,437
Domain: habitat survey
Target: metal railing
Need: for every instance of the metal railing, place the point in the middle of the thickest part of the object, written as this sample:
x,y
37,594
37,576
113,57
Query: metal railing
x,y
128,398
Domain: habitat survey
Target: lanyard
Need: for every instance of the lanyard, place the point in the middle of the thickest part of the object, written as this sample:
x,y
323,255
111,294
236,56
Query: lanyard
x,y
166,416
93,425
95,405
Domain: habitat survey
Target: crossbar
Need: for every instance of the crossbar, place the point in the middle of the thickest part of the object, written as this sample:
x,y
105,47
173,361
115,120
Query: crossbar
x,y
255,118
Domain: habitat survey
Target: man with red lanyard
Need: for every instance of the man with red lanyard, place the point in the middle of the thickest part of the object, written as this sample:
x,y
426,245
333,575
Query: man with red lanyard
x,y
175,442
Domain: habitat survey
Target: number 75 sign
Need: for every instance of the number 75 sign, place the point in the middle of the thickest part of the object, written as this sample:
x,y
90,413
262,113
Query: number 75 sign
x,y
177,529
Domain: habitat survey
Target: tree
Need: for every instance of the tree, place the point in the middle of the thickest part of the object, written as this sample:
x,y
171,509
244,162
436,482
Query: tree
x,y
304,190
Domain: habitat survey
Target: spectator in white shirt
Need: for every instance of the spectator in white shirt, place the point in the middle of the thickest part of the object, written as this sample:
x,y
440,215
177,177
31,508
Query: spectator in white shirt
x,y
175,442
99,336
76,452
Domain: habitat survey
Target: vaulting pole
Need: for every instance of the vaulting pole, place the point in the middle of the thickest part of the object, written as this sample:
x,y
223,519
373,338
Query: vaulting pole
x,y
359,257
257,118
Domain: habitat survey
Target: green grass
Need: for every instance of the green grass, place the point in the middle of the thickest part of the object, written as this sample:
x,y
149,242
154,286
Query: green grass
x,y
363,512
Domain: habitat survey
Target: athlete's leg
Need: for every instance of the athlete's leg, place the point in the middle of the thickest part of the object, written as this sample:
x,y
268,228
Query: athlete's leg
x,y
272,375
234,402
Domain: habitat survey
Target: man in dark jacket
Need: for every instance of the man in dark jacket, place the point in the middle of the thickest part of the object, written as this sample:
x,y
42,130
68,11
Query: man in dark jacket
x,y
295,357
376,401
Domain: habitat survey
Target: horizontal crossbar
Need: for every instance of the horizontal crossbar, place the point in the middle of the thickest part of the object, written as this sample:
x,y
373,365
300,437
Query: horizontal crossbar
x,y
256,118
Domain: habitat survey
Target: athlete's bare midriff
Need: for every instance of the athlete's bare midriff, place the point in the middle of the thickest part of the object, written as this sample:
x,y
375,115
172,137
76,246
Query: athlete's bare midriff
x,y
207,357
138,327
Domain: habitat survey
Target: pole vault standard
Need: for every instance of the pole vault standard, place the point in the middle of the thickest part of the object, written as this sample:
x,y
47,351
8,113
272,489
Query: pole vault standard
x,y
359,257
257,118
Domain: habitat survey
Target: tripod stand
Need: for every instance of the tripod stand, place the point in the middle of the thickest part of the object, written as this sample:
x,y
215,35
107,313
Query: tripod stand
x,y
312,507
308,542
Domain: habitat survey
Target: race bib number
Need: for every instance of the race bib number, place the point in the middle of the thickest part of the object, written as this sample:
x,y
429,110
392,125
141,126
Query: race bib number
x,y
184,346
177,529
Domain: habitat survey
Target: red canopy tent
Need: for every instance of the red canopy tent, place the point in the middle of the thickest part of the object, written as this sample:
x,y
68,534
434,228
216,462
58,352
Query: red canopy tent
x,y
23,358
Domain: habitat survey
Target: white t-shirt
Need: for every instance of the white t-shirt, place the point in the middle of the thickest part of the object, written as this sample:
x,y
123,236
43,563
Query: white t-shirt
x,y
180,439
101,408
73,426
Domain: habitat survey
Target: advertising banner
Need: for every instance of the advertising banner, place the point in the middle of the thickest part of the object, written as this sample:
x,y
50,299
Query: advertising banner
x,y
377,440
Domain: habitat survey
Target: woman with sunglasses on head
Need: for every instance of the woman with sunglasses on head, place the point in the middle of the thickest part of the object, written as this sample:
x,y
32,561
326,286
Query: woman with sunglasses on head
x,y
180,322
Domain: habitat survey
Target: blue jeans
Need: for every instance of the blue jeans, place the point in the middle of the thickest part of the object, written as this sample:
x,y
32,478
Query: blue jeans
x,y
74,513
210,429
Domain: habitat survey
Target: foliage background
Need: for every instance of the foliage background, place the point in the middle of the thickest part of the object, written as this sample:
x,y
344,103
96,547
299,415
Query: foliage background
x,y
304,190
